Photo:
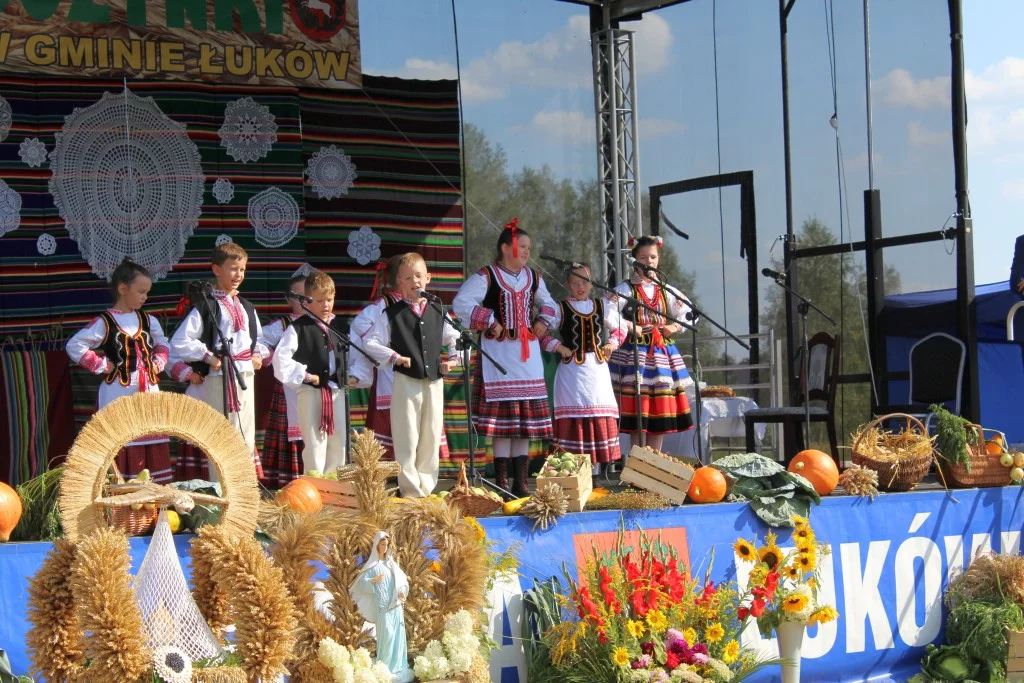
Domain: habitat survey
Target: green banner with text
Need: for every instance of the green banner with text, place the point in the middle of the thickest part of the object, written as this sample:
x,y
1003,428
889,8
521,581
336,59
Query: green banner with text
x,y
308,43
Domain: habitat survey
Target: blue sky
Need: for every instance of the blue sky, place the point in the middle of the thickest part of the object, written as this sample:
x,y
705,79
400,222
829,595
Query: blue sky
x,y
527,84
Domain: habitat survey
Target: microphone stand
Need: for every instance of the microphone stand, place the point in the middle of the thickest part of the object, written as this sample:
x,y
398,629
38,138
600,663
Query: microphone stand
x,y
692,316
225,356
803,307
465,345
341,369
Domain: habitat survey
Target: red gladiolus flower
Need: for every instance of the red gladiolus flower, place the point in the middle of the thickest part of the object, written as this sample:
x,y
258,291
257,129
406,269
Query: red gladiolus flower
x,y
757,607
742,613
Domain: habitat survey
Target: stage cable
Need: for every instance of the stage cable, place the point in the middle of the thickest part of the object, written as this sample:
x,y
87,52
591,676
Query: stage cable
x,y
718,144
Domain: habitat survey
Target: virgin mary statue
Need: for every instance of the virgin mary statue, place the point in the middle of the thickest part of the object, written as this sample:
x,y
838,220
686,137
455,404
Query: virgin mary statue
x,y
379,591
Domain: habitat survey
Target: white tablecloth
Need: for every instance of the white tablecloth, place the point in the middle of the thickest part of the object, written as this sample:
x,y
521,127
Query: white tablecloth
x,y
722,417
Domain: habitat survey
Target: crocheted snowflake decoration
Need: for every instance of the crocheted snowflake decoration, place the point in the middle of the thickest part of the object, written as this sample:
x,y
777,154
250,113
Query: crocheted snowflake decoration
x,y
222,239
6,119
127,181
32,152
46,245
223,190
249,130
364,245
274,216
304,269
10,209
331,172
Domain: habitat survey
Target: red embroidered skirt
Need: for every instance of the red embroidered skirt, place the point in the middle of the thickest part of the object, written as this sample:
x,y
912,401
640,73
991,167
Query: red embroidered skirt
x,y
282,459
155,457
526,419
598,436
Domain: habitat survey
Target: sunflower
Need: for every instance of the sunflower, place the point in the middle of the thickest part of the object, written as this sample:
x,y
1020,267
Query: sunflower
x,y
690,636
620,657
799,521
172,665
792,572
771,555
657,621
744,550
731,652
795,602
714,633
823,616
807,562
758,575
635,628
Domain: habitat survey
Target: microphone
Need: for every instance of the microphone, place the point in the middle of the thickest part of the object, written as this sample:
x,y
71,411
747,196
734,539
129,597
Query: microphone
x,y
773,274
301,298
198,287
561,262
644,267
424,294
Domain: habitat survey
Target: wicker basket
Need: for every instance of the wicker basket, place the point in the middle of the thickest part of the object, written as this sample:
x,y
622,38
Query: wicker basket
x,y
895,475
133,522
470,504
986,470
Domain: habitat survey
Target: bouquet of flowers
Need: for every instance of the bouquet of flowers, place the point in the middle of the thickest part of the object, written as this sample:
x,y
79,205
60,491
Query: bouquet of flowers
x,y
351,666
638,615
784,586
453,654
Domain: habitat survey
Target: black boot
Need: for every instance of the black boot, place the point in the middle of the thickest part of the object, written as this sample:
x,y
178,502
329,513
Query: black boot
x,y
501,472
521,485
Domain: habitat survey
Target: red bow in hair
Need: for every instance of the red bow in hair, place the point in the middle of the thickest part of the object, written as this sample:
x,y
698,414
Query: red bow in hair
x,y
513,225
378,280
182,306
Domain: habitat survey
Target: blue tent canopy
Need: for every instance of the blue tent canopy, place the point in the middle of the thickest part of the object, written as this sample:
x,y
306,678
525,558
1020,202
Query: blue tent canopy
x,y
910,317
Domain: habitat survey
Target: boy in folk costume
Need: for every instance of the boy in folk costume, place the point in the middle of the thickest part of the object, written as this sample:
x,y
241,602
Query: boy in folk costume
x,y
409,337
196,342
282,445
133,351
499,300
306,359
663,399
586,410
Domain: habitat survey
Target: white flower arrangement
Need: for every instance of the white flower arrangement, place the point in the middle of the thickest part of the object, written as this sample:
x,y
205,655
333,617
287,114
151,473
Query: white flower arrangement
x,y
172,665
349,666
453,654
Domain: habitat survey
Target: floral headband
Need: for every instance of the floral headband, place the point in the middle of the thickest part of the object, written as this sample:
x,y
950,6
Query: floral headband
x,y
513,225
633,240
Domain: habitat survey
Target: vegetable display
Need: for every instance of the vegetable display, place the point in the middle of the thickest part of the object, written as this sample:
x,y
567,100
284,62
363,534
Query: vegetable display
x,y
775,495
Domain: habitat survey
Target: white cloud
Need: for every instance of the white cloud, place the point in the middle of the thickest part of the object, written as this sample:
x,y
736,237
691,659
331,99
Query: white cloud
x,y
561,59
1001,81
564,127
899,89
655,128
920,136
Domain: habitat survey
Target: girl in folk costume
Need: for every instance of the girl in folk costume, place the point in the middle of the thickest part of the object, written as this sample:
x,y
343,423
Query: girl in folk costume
x,y
586,410
282,443
379,380
134,351
499,300
663,401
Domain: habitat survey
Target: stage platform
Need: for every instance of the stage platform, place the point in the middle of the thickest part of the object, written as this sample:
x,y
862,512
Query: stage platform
x,y
891,559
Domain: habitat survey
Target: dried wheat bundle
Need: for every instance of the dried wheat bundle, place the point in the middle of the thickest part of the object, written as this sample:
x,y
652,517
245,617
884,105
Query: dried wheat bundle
x,y
883,445
131,417
546,506
990,575
371,478
218,674
54,639
859,481
211,598
101,585
263,612
630,499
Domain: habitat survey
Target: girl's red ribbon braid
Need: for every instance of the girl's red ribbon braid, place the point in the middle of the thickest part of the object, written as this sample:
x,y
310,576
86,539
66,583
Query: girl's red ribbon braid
x,y
379,283
513,225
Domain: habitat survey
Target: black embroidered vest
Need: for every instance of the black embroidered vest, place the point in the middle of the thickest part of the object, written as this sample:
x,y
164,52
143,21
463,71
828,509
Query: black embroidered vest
x,y
646,317
210,315
502,301
416,338
582,333
315,346
122,350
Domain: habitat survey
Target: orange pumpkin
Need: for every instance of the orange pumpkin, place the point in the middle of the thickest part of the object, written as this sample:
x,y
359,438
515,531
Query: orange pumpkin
x,y
10,511
993,447
707,486
301,495
818,468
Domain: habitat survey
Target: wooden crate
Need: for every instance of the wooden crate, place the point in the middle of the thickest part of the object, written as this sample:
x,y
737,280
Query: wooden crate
x,y
657,473
1015,656
577,488
340,494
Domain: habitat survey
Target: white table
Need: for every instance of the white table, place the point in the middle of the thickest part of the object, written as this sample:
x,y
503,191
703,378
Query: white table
x,y
720,417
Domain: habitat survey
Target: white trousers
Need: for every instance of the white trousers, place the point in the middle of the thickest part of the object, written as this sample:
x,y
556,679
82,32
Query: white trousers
x,y
417,421
320,452
244,420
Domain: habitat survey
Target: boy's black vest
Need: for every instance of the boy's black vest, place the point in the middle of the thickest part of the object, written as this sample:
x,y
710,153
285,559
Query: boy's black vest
x,y
315,347
119,348
499,300
582,333
210,315
416,338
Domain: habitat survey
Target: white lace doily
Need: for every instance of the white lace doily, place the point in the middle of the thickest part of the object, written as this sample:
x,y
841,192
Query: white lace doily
x,y
223,190
6,119
304,269
248,131
222,239
10,209
46,245
274,215
32,152
364,245
331,172
128,182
